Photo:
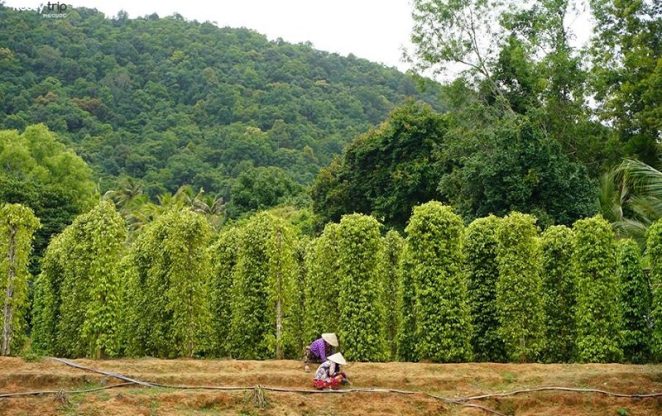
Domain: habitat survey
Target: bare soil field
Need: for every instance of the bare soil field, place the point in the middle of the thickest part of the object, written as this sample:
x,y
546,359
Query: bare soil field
x,y
449,381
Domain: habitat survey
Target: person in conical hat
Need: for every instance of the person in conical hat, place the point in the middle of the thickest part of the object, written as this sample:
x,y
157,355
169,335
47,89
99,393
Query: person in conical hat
x,y
328,374
320,349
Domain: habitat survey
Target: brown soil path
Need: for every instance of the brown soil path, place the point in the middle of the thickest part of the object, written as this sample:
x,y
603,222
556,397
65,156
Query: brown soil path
x,y
448,380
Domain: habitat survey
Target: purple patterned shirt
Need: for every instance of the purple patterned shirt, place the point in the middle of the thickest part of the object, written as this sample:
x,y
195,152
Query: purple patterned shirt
x,y
318,347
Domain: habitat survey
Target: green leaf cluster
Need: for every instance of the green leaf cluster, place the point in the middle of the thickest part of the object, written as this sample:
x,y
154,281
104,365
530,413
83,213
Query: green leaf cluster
x,y
654,253
77,296
223,253
519,290
263,289
167,271
321,285
636,300
389,274
406,337
17,226
598,313
480,247
557,246
360,309
435,237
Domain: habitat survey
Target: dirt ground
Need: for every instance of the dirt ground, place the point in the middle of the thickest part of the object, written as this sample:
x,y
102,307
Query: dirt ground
x,y
447,380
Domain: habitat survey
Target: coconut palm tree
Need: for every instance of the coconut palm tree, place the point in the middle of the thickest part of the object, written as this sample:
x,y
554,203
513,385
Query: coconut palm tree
x,y
631,198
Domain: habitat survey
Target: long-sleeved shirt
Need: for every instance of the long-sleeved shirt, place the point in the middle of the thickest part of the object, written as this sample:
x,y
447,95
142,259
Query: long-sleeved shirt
x,y
326,370
318,347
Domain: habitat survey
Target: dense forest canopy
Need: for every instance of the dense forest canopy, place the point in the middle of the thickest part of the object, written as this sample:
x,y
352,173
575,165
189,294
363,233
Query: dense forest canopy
x,y
170,102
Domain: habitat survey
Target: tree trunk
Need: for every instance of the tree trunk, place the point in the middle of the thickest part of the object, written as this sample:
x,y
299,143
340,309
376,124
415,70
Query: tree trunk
x,y
8,310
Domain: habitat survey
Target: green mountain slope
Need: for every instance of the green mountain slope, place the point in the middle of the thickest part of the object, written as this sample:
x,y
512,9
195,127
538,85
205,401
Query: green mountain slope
x,y
173,102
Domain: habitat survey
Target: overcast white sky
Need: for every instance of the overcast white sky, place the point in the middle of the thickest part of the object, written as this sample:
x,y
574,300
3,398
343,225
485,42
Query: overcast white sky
x,y
371,29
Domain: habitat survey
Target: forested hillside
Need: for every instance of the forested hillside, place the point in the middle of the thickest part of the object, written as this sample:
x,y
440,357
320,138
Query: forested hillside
x,y
172,102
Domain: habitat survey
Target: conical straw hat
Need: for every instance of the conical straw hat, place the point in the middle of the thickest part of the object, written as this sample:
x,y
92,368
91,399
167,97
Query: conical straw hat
x,y
331,339
338,359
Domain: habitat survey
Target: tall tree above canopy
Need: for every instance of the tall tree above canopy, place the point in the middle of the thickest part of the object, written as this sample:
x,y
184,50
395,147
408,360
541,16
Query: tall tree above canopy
x,y
37,156
626,51
515,165
386,171
43,174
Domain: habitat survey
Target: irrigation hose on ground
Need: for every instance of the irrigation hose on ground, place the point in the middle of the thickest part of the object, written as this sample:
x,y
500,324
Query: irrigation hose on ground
x,y
459,401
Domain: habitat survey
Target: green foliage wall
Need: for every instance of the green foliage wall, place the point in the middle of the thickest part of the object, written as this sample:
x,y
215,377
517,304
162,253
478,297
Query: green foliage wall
x,y
481,244
168,272
361,312
654,253
77,295
389,275
264,276
321,288
557,245
223,262
17,227
598,315
519,299
443,323
636,302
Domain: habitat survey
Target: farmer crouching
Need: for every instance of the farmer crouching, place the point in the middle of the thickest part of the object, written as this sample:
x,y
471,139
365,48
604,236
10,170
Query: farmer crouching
x,y
328,374
320,349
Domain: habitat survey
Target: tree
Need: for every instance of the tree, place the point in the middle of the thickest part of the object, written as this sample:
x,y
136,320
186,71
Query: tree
x,y
42,174
557,246
454,32
631,198
168,271
261,188
626,72
435,236
515,166
263,285
77,294
636,302
386,171
654,252
598,314
481,245
519,301
389,273
17,226
322,289
361,312
223,262
38,156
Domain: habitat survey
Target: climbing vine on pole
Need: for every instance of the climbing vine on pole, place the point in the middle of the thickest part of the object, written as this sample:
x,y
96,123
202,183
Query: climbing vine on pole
x,y
17,227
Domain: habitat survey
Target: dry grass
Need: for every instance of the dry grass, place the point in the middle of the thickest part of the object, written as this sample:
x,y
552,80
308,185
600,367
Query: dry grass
x,y
449,380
